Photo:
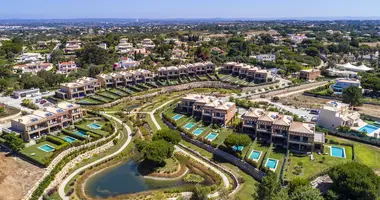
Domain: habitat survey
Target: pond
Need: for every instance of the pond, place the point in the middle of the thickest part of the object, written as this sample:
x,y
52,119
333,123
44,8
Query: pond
x,y
125,179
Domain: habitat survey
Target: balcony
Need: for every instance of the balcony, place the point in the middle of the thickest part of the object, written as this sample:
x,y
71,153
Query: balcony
x,y
267,129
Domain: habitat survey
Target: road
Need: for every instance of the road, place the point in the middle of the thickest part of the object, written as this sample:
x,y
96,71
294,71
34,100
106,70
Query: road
x,y
17,102
61,189
291,90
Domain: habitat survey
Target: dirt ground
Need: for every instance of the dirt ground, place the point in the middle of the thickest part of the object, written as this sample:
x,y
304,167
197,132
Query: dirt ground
x,y
16,176
300,100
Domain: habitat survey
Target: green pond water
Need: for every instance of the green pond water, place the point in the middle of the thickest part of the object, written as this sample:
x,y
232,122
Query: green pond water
x,y
125,179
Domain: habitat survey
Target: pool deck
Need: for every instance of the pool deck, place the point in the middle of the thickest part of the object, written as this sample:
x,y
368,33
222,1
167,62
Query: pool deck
x,y
272,169
256,160
344,151
212,138
362,124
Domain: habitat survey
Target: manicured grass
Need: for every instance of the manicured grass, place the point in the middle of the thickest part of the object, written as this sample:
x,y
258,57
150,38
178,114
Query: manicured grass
x,y
40,155
259,147
89,100
84,126
278,154
109,95
364,153
320,163
118,92
223,133
148,119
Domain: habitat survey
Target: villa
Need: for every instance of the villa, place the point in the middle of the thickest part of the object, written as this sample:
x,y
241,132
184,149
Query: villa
x,y
335,114
282,131
33,67
66,67
309,74
208,108
48,120
266,57
29,57
126,63
72,46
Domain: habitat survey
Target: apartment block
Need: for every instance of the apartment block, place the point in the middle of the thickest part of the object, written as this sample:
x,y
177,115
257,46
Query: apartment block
x,y
85,86
250,73
282,130
48,120
208,108
189,70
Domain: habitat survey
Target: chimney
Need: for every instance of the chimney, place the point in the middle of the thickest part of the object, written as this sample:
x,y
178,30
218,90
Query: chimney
x,y
20,120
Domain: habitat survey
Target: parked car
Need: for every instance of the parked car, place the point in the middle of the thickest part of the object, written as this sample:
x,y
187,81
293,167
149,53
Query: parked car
x,y
38,100
46,92
314,112
43,101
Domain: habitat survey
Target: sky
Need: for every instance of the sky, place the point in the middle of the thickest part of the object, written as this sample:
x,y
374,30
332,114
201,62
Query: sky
x,y
159,9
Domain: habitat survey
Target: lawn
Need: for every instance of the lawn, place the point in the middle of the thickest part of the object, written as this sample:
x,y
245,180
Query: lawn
x,y
364,153
311,168
84,126
278,154
257,146
39,154
118,92
89,101
109,95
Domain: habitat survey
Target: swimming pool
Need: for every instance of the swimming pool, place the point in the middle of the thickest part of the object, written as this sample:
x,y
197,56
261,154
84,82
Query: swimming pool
x,y
338,152
198,131
69,139
177,117
94,126
368,128
211,136
237,148
189,125
80,133
255,155
271,164
46,148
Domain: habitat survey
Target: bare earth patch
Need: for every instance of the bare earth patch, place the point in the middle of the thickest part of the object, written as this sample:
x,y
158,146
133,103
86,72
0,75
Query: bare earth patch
x,y
16,177
302,101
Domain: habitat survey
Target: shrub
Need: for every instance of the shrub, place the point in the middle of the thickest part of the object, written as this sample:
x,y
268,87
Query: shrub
x,y
193,178
276,98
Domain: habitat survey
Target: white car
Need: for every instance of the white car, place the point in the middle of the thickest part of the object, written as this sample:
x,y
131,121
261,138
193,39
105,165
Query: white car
x,y
303,116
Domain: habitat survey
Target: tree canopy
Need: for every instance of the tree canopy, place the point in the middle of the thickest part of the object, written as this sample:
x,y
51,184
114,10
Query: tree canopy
x,y
269,187
169,135
355,181
352,95
13,141
158,151
238,140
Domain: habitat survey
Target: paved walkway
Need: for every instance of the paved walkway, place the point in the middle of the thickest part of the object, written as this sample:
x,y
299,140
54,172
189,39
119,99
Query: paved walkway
x,y
61,189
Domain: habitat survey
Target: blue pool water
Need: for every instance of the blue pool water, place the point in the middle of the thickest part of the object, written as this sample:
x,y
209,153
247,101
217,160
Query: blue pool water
x,y
198,131
189,125
46,148
211,136
69,139
237,148
80,133
94,126
255,155
338,152
177,117
368,128
271,163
